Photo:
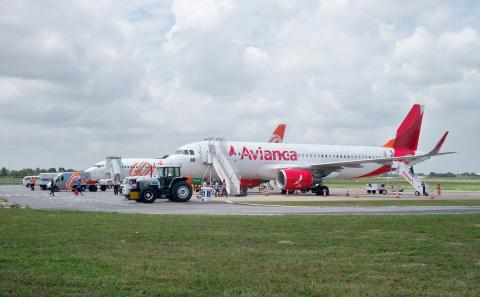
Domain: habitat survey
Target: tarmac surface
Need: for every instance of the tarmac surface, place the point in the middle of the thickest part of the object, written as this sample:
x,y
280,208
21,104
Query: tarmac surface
x,y
108,202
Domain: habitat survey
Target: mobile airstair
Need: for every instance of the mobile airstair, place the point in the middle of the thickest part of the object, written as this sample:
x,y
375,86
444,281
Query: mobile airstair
x,y
407,172
215,153
113,167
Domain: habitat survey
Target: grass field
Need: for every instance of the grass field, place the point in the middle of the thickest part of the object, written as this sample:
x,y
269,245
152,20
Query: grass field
x,y
10,180
53,253
373,203
465,184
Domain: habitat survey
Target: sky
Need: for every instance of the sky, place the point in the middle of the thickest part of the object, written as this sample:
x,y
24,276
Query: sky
x,y
81,80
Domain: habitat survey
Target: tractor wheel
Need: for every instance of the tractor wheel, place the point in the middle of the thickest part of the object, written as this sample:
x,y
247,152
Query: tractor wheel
x,y
147,195
92,188
103,188
181,192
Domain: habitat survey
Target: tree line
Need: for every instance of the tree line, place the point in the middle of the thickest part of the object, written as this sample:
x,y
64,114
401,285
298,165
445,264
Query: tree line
x,y
31,171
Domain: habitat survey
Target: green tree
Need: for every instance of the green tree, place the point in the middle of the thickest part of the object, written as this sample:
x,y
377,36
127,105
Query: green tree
x,y
3,171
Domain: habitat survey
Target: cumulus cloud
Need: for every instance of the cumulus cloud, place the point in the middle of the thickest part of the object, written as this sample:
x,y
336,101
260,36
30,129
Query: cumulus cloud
x,y
82,80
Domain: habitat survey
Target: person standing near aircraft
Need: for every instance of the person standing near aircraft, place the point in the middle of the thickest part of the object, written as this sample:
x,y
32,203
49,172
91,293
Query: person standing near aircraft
x,y
52,188
32,184
115,184
224,189
79,186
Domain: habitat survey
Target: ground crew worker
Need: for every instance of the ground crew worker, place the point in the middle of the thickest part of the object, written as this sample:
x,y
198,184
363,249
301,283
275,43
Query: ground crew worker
x,y
224,189
115,186
52,188
32,184
79,186
423,189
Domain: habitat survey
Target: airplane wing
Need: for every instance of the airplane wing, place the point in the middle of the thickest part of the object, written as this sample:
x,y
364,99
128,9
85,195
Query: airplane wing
x,y
338,165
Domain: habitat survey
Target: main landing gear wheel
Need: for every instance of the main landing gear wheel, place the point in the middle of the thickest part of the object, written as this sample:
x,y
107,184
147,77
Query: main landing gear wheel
x,y
321,189
181,192
417,193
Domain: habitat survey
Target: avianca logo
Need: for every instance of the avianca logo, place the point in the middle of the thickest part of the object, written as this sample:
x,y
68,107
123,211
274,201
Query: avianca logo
x,y
261,154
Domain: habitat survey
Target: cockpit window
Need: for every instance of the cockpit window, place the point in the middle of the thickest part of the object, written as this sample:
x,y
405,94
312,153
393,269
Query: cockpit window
x,y
179,152
191,152
185,152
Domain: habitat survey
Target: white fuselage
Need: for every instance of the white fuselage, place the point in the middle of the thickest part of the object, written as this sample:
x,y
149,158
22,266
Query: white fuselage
x,y
260,160
128,166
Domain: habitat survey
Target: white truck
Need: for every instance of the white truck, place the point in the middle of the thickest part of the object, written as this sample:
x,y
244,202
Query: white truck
x,y
44,178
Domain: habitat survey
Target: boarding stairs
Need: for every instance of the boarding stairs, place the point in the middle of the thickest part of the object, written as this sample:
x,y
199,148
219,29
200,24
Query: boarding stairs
x,y
113,167
217,156
405,171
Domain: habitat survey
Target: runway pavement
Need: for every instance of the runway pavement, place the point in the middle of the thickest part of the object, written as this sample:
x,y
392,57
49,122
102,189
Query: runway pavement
x,y
107,202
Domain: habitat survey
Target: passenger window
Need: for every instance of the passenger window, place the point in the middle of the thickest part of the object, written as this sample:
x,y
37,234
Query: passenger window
x,y
185,152
191,152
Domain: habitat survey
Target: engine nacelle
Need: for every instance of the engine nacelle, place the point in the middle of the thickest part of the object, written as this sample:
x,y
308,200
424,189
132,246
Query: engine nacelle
x,y
294,179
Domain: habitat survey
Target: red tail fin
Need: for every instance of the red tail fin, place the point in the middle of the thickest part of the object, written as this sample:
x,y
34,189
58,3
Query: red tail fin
x,y
278,133
409,131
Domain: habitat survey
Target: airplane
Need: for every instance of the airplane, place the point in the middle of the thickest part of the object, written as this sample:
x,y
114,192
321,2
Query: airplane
x,y
305,167
146,166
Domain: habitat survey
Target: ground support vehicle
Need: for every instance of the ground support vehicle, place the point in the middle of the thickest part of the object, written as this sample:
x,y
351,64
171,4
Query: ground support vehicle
x,y
105,183
67,181
374,188
167,184
26,180
44,178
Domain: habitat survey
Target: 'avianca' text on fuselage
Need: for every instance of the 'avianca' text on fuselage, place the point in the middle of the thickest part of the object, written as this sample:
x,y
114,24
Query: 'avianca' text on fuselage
x,y
268,155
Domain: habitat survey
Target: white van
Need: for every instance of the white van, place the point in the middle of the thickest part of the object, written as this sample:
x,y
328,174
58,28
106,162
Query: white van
x,y
26,180
44,178
66,181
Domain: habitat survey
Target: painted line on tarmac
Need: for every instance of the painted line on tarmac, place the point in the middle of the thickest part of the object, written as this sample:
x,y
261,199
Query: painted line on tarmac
x,y
269,205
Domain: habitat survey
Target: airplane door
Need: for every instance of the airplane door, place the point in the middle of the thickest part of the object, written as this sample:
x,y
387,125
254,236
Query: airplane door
x,y
204,152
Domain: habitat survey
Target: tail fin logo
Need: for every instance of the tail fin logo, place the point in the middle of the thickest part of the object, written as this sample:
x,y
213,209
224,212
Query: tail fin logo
x,y
277,135
232,151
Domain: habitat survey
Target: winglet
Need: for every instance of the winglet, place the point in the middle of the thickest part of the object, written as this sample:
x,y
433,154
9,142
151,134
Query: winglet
x,y
437,148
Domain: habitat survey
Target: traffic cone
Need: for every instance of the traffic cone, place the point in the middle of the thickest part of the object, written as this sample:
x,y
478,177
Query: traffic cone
x,y
397,195
356,194
432,195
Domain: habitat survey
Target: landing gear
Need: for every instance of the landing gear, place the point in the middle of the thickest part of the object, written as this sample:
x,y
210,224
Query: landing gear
x,y
320,190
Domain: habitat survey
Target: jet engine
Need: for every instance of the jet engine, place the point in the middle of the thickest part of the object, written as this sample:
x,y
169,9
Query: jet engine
x,y
294,179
